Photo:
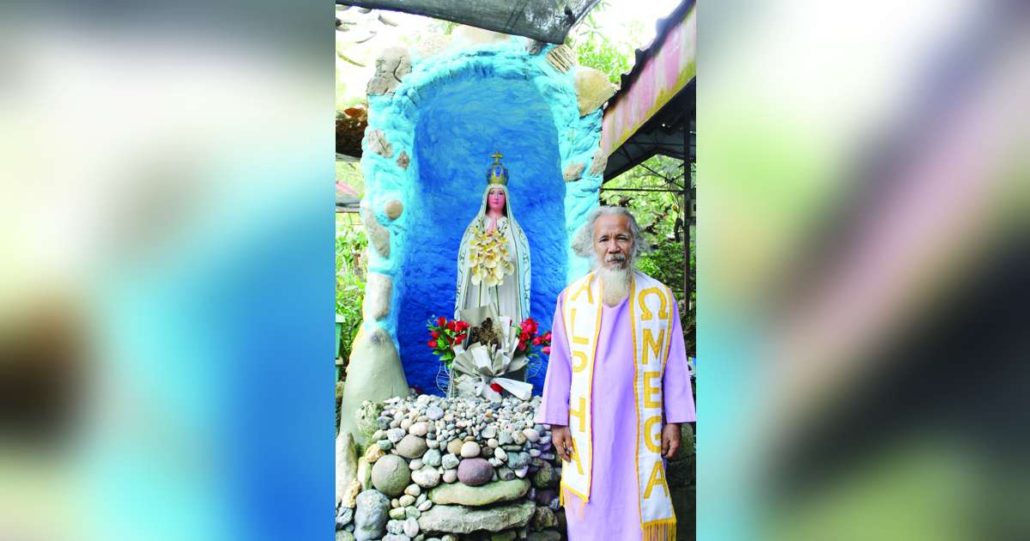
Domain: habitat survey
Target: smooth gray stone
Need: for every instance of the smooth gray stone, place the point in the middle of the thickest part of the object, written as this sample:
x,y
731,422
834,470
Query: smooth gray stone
x,y
460,494
434,412
464,520
370,515
412,446
345,516
432,458
411,527
390,475
449,461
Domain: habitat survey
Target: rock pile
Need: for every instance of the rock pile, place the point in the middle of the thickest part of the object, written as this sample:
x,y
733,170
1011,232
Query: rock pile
x,y
444,469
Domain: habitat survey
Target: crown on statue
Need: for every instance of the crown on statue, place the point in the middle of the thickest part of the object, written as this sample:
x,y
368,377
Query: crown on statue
x,y
497,173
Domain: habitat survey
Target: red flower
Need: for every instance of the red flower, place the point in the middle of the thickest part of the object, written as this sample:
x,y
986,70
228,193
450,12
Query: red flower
x,y
441,321
547,350
432,344
460,338
461,325
496,388
452,326
530,326
434,334
536,341
524,336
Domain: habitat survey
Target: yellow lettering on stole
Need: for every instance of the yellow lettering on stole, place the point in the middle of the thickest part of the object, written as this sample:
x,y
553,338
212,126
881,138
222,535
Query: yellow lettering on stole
x,y
663,304
579,361
654,444
576,459
580,414
657,478
582,288
579,358
650,401
653,344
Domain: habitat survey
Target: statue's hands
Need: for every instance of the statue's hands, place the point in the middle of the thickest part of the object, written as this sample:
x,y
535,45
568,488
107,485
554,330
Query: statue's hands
x,y
670,440
562,440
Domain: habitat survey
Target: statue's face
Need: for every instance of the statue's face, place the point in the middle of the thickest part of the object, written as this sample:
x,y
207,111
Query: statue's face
x,y
613,241
495,199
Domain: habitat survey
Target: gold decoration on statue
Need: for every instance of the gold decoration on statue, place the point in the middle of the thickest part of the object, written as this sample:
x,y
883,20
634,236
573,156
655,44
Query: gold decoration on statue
x,y
497,173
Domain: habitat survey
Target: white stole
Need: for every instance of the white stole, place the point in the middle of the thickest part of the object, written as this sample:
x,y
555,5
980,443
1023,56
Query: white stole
x,y
650,304
582,318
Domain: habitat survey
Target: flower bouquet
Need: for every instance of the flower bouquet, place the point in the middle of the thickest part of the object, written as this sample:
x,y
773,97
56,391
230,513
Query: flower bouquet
x,y
489,259
492,354
497,351
444,335
530,339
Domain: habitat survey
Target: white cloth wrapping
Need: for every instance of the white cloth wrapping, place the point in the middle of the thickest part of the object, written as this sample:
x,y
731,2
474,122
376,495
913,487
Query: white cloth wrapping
x,y
475,368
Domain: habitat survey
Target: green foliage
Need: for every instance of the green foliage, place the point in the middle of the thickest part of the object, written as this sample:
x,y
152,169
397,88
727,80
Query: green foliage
x,y
350,278
660,216
595,50
604,56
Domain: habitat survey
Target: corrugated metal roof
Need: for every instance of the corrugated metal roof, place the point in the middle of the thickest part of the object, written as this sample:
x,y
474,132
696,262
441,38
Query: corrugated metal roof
x,y
662,28
652,113
542,20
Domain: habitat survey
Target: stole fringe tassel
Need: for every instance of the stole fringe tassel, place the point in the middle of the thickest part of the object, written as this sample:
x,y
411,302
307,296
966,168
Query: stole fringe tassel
x,y
656,530
660,530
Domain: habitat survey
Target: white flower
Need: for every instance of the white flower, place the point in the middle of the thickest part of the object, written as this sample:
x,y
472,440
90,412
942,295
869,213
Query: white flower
x,y
489,258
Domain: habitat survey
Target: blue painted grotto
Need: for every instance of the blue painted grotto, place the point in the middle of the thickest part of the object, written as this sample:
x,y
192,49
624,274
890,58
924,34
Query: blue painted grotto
x,y
425,156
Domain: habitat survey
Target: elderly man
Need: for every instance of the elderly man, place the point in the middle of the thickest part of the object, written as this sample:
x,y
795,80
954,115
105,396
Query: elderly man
x,y
617,389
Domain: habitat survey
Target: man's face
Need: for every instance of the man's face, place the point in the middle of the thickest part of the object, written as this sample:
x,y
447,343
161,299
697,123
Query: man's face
x,y
613,241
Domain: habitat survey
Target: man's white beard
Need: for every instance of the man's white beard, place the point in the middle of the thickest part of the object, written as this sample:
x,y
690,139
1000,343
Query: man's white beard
x,y
615,283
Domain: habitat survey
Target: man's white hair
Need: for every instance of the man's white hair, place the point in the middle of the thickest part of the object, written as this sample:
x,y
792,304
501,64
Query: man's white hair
x,y
583,242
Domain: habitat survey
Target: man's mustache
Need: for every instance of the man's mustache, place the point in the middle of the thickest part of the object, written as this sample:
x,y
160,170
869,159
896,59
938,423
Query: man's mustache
x,y
615,258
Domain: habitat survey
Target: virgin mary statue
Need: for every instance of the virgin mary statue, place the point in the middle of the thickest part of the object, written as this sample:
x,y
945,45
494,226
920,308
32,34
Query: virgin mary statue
x,y
493,260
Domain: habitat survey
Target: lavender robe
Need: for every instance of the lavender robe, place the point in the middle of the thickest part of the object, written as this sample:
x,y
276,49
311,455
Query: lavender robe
x,y
613,511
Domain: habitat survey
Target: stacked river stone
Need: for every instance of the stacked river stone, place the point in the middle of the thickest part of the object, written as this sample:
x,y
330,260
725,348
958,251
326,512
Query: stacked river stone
x,y
455,468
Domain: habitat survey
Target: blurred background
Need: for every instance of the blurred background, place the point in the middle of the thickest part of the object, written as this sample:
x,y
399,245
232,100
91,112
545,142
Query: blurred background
x,y
862,231
166,281
166,226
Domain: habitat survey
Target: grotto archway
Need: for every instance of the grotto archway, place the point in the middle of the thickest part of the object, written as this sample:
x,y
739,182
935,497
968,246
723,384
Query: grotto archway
x,y
459,127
